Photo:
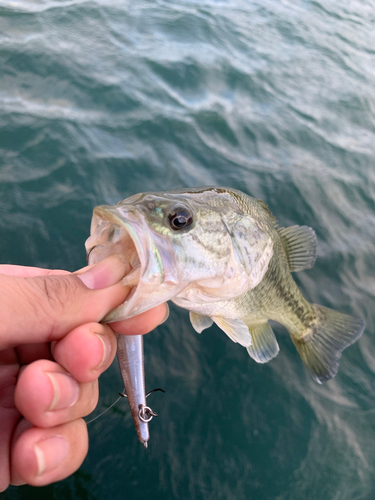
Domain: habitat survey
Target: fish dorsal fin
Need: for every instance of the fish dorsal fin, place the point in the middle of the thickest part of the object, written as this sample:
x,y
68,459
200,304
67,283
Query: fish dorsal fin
x,y
200,322
264,345
266,209
299,244
236,330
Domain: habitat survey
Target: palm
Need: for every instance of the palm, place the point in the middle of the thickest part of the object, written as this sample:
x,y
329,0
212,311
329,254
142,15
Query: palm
x,y
9,415
11,361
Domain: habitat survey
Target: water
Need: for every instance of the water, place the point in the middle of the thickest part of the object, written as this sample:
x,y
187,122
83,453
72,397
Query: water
x,y
101,100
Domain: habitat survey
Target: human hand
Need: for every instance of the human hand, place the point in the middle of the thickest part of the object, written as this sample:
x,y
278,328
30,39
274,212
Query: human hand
x,y
52,351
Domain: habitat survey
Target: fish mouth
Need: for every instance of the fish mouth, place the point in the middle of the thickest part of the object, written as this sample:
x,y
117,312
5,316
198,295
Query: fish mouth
x,y
150,272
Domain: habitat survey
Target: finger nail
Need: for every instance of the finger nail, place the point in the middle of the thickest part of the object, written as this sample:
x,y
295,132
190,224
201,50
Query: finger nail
x,y
106,349
50,453
106,273
65,390
166,313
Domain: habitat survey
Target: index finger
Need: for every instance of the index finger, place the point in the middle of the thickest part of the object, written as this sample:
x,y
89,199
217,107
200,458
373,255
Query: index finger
x,y
28,271
143,323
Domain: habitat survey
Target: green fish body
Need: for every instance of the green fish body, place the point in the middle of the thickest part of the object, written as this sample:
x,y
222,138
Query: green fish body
x,y
218,253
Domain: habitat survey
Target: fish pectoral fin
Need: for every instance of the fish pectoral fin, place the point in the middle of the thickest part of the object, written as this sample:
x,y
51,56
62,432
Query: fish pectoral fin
x,y
200,322
236,330
264,345
299,244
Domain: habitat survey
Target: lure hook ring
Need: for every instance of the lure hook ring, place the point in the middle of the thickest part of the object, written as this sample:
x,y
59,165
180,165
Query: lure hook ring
x,y
145,414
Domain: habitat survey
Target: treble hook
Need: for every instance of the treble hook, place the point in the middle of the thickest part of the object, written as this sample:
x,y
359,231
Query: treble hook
x,y
145,413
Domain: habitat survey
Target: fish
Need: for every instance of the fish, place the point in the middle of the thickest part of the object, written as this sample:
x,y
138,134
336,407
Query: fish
x,y
220,254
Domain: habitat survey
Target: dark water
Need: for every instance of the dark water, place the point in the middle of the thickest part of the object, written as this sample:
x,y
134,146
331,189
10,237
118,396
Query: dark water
x,y
101,100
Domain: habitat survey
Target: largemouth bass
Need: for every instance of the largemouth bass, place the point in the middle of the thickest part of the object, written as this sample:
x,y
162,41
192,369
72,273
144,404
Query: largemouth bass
x,y
219,253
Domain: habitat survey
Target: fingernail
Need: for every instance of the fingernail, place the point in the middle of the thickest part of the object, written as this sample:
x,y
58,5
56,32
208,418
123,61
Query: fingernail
x,y
166,313
65,390
106,349
106,273
50,453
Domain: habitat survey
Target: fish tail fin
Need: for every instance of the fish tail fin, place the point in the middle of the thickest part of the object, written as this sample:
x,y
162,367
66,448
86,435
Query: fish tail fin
x,y
321,347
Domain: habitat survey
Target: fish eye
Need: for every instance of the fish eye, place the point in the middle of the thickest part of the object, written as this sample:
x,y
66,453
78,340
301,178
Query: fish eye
x,y
180,218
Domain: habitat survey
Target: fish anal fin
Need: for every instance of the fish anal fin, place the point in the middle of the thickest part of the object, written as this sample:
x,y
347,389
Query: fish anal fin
x,y
264,345
321,346
299,244
236,330
199,321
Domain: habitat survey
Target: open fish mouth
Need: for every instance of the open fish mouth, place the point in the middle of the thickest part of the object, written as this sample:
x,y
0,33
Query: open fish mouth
x,y
150,272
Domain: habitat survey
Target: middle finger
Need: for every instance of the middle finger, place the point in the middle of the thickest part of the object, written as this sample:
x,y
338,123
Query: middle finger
x,y
86,351
47,395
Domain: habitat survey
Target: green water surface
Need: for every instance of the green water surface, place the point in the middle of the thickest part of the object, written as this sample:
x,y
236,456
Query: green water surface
x,y
102,99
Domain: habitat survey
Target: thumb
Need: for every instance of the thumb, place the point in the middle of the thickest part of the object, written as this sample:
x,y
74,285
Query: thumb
x,y
45,308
